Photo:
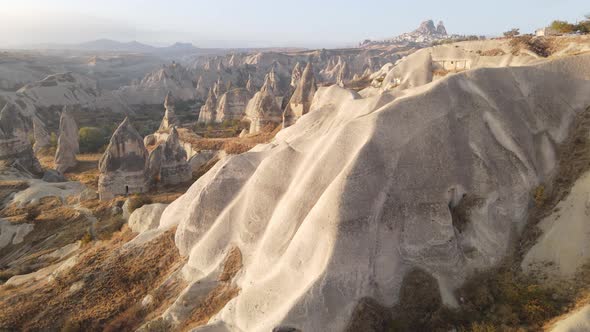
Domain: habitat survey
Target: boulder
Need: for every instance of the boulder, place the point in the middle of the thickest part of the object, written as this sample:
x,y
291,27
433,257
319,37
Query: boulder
x,y
200,159
123,165
53,176
67,143
146,217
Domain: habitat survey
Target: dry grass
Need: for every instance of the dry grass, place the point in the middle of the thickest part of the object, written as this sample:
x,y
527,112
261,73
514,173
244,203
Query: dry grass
x,y
115,280
220,295
493,52
86,171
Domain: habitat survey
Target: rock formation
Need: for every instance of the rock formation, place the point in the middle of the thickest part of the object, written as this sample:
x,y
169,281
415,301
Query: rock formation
x,y
201,90
302,97
232,105
40,135
361,191
174,168
15,147
170,120
296,75
123,165
250,85
67,142
168,162
208,110
219,88
343,74
263,108
440,29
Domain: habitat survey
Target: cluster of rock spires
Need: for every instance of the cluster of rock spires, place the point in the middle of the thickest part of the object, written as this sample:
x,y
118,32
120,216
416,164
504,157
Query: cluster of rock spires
x,y
67,143
300,102
127,167
15,147
427,32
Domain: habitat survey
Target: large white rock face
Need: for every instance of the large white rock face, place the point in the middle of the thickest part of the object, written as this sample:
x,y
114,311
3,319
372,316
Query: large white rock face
x,y
67,143
15,147
123,166
359,191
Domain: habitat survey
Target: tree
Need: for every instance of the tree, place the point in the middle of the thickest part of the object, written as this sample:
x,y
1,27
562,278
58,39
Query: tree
x,y
512,33
92,139
562,27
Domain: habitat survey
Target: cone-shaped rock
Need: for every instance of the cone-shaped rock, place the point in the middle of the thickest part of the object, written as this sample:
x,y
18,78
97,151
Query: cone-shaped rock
x,y
170,118
174,168
263,108
296,75
123,165
67,143
15,147
207,113
301,99
232,105
40,135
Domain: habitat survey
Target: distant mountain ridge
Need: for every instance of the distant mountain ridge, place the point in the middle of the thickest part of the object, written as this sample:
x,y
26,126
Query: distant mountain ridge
x,y
109,45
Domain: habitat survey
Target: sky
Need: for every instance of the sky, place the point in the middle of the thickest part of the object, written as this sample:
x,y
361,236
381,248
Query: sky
x,y
266,23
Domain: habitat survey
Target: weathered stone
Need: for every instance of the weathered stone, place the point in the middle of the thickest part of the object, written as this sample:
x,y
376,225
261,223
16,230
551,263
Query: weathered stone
x,y
123,165
232,105
170,118
53,176
67,143
174,168
41,135
263,108
15,147
146,217
207,113
296,75
300,102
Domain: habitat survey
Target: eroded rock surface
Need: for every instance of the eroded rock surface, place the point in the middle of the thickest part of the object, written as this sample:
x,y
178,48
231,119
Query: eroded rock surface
x,y
67,143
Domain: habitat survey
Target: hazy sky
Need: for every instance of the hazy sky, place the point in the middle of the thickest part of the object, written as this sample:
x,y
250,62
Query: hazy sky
x,y
239,23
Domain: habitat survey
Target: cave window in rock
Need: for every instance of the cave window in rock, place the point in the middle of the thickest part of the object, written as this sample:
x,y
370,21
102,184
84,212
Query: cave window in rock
x,y
126,190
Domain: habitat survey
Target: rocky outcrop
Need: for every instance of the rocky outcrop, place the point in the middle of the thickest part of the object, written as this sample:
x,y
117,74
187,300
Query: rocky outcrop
x,y
343,74
123,165
232,105
440,29
296,75
200,90
360,192
219,88
174,168
263,108
168,162
302,97
250,85
146,217
208,111
170,120
40,135
15,147
67,143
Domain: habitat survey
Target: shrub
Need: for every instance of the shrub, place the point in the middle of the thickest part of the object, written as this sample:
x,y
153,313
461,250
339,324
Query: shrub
x,y
86,238
137,201
562,27
53,140
512,33
92,139
539,195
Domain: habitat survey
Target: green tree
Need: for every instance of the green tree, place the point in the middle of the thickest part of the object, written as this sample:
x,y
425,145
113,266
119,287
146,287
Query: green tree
x,y
512,33
92,139
562,26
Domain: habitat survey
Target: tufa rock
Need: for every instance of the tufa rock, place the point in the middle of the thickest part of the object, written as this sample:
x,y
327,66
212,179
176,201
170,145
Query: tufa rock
x,y
170,118
123,165
302,97
232,105
40,135
207,113
296,75
174,167
67,143
263,108
15,147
